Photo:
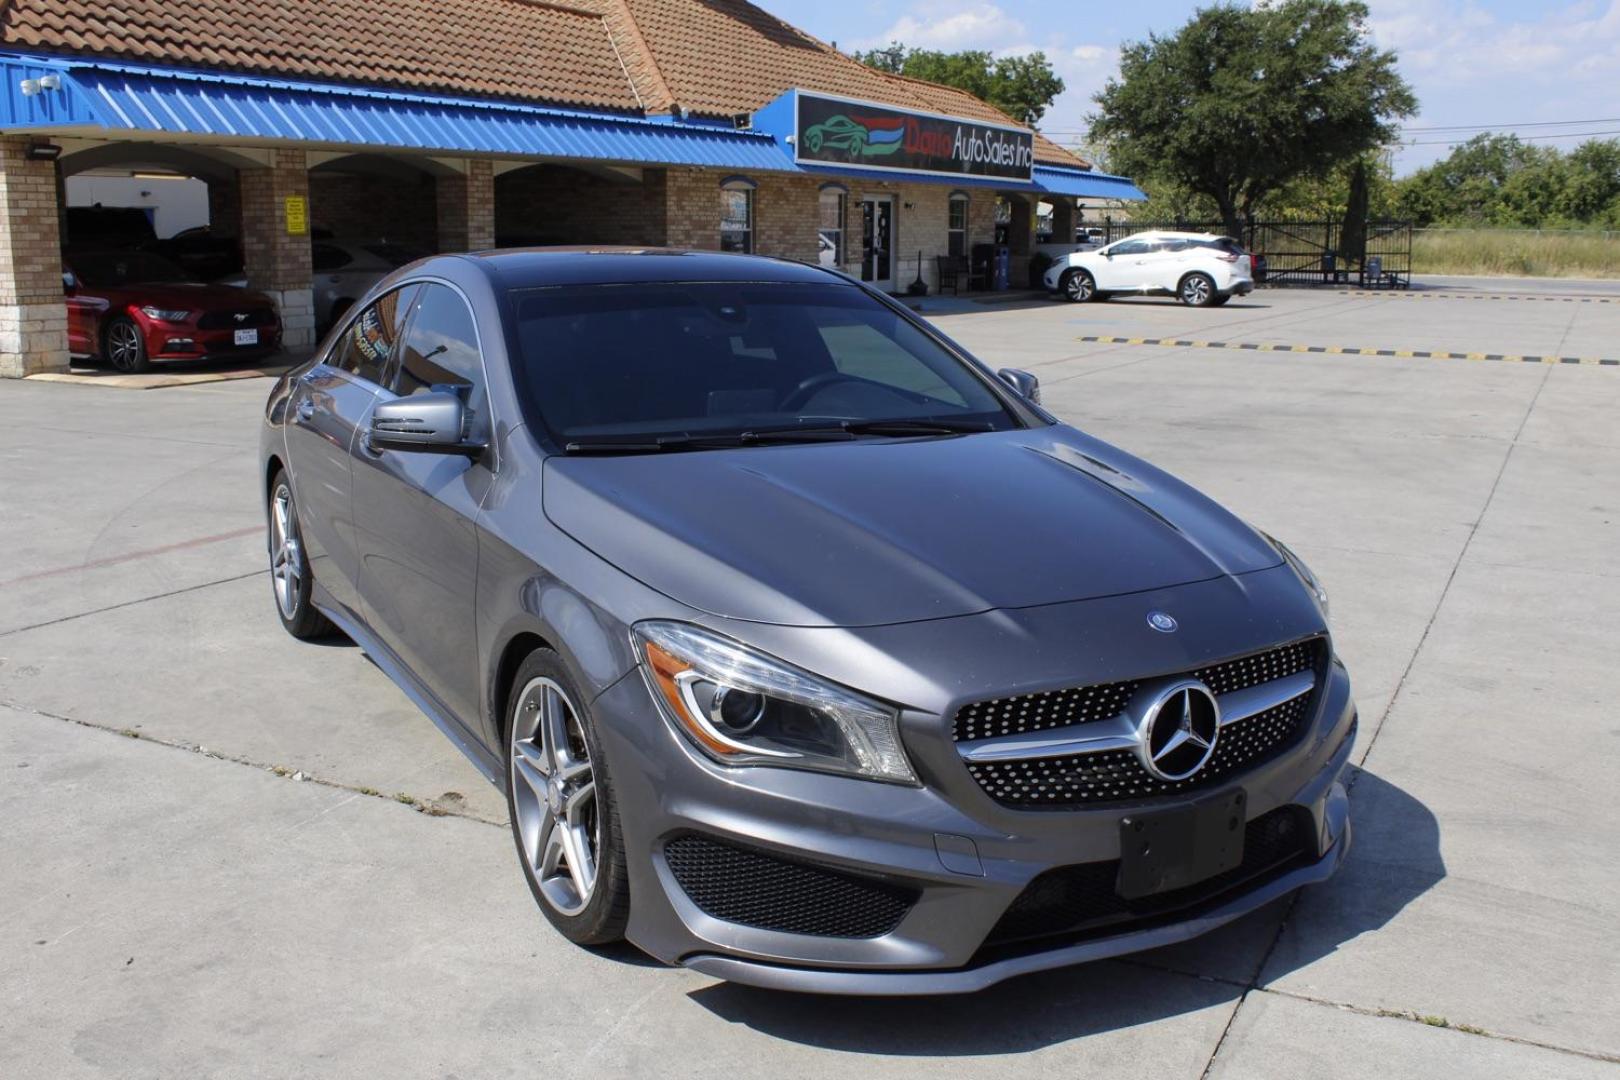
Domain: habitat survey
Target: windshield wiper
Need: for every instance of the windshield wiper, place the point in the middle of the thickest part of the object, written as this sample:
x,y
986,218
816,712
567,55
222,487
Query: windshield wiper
x,y
841,431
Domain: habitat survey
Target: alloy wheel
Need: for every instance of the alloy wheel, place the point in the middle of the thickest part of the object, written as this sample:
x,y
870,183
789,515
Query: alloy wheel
x,y
1078,286
1195,291
554,796
124,346
286,553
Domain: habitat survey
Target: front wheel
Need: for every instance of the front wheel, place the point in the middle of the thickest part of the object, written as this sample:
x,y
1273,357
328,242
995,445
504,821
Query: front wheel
x,y
1197,290
1078,286
561,805
126,346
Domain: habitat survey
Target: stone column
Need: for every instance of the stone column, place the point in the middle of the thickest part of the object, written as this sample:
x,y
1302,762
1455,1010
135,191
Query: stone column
x,y
33,315
467,208
1064,219
276,261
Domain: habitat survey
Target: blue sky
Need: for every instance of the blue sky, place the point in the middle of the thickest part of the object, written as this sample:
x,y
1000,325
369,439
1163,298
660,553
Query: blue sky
x,y
1472,62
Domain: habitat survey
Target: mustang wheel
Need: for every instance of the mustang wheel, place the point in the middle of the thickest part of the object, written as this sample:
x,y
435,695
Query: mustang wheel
x,y
1197,290
561,806
289,567
126,346
1078,286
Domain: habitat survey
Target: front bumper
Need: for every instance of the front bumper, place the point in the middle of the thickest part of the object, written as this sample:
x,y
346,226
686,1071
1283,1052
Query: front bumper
x,y
965,866
178,341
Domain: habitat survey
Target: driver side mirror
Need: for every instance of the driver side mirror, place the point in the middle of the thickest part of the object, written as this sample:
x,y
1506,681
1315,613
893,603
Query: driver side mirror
x,y
432,423
1027,385
70,284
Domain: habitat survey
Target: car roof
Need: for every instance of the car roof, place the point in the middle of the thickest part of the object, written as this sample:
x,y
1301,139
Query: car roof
x,y
1171,234
521,268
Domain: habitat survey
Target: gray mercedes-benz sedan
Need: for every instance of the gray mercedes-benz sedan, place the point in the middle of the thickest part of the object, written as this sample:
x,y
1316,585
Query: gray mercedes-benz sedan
x,y
809,652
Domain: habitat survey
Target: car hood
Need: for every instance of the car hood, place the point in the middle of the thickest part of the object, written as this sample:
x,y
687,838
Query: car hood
x,y
871,532
195,296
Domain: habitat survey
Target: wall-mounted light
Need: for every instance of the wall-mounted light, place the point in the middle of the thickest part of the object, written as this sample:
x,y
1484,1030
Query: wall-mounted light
x,y
50,82
39,150
909,206
29,87
158,176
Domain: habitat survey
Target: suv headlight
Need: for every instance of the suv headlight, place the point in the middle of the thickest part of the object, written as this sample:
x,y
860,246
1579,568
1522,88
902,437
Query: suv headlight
x,y
1311,581
741,707
165,314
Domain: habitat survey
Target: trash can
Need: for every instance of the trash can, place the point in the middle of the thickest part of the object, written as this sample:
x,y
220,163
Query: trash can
x,y
1002,269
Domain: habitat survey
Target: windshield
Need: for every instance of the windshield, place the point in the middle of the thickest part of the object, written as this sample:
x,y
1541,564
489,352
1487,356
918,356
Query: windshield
x,y
642,362
113,268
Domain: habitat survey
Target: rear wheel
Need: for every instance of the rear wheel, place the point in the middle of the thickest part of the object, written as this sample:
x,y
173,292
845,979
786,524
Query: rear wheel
x,y
1078,286
290,576
564,818
125,346
1197,290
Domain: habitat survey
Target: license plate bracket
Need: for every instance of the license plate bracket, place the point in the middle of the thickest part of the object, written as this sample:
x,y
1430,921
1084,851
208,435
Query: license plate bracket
x,y
247,337
1162,850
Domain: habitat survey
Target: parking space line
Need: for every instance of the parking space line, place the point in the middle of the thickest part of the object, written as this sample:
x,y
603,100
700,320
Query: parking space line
x,y
1350,350
1554,298
114,560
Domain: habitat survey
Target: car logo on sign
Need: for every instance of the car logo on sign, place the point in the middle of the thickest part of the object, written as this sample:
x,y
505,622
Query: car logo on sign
x,y
1161,622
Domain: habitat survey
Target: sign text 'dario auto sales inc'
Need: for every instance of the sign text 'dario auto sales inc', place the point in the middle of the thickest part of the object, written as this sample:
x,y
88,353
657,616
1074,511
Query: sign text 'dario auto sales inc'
x,y
837,131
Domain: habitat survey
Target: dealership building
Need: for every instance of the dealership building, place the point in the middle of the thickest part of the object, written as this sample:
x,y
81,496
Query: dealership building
x,y
462,124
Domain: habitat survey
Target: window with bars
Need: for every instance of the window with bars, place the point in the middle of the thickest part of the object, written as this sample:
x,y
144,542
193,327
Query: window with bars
x,y
737,218
956,226
833,207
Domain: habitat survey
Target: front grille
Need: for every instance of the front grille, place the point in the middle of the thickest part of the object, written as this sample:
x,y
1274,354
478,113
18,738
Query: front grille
x,y
1075,900
227,320
746,886
1107,776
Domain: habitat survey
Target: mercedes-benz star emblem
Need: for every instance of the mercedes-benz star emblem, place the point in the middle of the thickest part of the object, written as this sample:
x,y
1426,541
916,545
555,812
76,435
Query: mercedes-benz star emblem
x,y
1178,731
1161,622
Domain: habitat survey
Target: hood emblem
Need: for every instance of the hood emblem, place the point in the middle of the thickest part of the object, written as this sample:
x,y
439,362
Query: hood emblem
x,y
1161,622
1179,729
241,316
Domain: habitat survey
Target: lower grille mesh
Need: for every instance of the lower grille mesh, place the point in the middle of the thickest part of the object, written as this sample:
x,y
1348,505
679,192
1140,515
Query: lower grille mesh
x,y
750,887
1074,899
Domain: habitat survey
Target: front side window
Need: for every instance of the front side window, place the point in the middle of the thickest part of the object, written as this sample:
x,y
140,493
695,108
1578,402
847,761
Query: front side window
x,y
956,226
369,342
737,220
616,363
831,238
441,353
1130,247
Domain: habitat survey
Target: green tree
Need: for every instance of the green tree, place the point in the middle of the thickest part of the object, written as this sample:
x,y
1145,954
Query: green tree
x,y
1244,100
1023,87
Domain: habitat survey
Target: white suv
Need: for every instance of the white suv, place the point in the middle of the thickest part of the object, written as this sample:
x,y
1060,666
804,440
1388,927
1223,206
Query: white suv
x,y
1202,269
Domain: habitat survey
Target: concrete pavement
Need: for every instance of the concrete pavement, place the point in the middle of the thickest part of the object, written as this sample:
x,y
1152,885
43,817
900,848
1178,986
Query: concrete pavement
x,y
179,904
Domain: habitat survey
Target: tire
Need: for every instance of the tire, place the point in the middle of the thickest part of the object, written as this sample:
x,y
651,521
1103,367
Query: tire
x,y
291,581
543,711
124,346
1197,290
1077,286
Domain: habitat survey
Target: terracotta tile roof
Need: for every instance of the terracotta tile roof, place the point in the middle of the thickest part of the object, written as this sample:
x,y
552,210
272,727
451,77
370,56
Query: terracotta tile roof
x,y
502,48
709,57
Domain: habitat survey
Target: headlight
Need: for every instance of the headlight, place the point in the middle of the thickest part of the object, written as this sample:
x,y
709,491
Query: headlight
x,y
741,707
165,314
1310,579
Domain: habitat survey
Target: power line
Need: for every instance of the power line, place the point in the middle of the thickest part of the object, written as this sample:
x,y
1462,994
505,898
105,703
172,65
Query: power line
x,y
1521,138
1528,124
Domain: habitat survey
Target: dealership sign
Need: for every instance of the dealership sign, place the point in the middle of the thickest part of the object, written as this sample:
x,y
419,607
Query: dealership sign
x,y
841,131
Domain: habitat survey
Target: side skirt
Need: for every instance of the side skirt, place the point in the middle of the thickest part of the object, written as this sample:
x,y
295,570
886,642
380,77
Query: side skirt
x,y
487,764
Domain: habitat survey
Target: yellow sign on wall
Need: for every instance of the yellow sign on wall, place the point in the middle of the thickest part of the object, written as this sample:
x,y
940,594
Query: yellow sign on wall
x,y
297,215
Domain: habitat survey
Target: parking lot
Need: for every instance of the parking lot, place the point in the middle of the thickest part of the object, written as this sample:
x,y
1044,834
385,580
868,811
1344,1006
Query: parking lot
x,y
228,853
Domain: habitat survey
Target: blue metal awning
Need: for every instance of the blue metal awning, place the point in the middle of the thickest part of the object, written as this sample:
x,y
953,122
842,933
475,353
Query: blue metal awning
x,y
1083,184
135,98
1047,181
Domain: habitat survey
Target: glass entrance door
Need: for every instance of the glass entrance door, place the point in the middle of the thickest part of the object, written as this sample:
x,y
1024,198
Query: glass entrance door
x,y
877,240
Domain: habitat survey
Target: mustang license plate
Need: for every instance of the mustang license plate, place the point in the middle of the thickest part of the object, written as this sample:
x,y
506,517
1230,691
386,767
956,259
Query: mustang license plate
x,y
1161,850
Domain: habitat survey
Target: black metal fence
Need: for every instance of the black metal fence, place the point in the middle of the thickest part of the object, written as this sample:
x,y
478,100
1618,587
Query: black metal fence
x,y
1307,252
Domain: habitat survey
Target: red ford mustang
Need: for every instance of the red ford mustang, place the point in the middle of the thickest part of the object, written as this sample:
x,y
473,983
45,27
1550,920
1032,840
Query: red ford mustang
x,y
132,307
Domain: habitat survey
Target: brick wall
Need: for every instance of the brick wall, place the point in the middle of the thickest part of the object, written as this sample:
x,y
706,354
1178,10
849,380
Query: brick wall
x,y
33,316
554,204
356,206
275,261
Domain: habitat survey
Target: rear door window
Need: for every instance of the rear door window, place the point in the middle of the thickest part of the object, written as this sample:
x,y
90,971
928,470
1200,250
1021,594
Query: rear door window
x,y
371,340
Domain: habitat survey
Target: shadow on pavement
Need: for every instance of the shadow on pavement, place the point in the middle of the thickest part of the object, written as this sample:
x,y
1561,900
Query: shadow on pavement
x,y
1034,1011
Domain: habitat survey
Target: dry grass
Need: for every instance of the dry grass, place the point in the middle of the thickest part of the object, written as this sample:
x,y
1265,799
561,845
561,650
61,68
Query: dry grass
x,y
1515,253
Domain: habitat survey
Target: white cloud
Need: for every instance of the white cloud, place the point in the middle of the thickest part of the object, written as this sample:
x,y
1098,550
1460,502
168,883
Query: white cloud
x,y
952,29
